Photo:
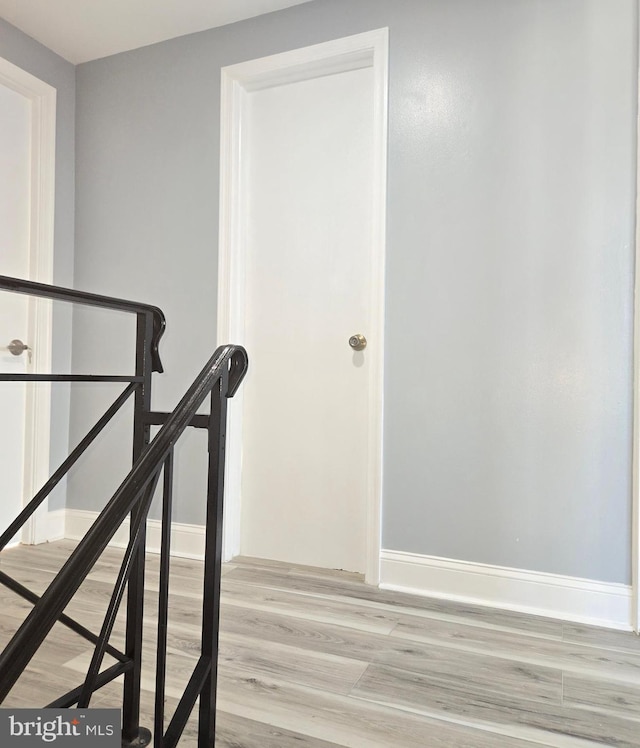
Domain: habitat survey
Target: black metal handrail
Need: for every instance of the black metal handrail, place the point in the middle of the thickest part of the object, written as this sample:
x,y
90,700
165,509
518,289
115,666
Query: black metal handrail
x,y
47,611
58,293
220,379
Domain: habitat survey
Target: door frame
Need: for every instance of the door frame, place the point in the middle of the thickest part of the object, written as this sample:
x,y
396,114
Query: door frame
x,y
37,437
635,521
369,49
635,491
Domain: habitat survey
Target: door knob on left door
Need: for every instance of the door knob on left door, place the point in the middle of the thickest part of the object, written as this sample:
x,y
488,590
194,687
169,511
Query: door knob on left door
x,y
358,342
17,347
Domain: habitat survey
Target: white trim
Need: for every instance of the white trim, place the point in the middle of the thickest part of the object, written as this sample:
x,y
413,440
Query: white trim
x,y
635,522
38,406
56,521
369,49
553,595
187,541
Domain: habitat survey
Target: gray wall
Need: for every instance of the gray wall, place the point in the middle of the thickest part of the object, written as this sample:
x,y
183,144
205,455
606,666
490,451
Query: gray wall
x,y
31,56
509,269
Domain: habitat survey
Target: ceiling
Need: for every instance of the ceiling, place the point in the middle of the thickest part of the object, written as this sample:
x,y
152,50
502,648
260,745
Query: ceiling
x,y
82,30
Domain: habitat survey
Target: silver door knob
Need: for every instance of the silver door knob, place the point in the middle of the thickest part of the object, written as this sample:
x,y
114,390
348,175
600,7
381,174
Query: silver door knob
x,y
17,347
358,342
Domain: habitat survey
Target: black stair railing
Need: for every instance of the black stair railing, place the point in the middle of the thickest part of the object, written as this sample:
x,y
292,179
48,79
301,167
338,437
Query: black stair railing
x,y
218,380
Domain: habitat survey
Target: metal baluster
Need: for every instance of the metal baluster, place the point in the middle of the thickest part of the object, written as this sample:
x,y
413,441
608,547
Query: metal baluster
x,y
163,601
213,559
133,736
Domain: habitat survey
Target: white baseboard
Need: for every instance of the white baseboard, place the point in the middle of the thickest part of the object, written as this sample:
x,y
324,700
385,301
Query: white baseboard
x,y
187,541
56,521
538,593
553,595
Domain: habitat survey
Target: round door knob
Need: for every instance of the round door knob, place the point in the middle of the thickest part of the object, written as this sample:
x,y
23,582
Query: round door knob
x,y
17,347
358,342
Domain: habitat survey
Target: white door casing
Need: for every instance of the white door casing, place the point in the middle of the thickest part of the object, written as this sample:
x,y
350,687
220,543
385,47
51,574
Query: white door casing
x,y
14,260
635,519
41,98
313,70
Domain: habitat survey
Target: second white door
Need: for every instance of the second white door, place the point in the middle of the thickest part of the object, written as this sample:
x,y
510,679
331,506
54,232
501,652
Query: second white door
x,y
15,192
308,151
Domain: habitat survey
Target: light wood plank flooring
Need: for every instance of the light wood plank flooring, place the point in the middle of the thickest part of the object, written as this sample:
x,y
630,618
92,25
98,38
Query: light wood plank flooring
x,y
317,659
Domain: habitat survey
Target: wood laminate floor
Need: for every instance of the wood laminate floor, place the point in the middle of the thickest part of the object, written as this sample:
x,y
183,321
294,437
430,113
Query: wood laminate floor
x,y
317,659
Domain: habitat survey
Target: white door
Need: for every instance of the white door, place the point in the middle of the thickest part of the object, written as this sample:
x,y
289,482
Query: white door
x,y
309,168
15,165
